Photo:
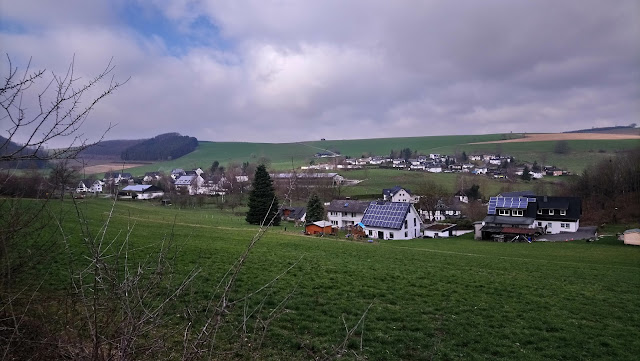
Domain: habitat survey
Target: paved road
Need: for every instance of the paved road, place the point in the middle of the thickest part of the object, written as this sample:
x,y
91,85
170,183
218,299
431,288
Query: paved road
x,y
582,233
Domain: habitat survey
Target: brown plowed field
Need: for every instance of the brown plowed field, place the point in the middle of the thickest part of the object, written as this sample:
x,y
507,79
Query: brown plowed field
x,y
565,136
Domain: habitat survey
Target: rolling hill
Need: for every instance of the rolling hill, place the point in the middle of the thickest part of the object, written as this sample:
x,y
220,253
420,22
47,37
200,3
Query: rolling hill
x,y
285,155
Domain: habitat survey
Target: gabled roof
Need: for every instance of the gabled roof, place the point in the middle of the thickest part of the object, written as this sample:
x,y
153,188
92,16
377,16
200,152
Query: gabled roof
x,y
323,224
386,214
390,192
347,205
185,180
295,213
141,188
572,206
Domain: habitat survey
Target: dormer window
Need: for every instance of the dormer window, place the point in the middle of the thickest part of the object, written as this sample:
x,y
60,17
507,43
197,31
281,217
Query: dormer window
x,y
518,212
539,211
504,212
551,212
563,212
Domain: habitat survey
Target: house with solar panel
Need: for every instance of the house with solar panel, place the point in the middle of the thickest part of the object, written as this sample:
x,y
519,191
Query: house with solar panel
x,y
346,213
391,220
528,216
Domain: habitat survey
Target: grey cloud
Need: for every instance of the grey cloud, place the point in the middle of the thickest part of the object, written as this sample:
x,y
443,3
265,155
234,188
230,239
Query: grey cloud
x,y
299,70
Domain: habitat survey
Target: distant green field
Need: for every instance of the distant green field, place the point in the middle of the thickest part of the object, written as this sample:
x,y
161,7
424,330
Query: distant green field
x,y
432,298
374,180
582,152
284,156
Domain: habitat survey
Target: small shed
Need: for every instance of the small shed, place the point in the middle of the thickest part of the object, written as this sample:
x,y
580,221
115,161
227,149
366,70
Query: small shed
x,y
320,227
439,230
631,236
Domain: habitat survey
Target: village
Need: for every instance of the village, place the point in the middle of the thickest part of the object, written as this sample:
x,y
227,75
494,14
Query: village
x,y
398,213
488,164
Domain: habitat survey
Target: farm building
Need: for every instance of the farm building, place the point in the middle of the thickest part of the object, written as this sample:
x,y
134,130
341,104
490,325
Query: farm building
x,y
391,220
439,230
140,191
294,214
320,227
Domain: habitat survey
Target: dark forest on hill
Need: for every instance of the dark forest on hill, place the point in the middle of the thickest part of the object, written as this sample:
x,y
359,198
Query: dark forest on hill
x,y
162,147
8,147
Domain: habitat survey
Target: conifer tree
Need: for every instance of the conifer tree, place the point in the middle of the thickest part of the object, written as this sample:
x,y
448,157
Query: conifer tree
x,y
315,209
262,199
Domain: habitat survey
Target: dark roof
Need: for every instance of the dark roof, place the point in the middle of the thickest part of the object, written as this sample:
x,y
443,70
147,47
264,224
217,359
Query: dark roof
x,y
87,182
190,172
347,205
518,194
573,206
295,213
508,220
386,214
152,174
390,192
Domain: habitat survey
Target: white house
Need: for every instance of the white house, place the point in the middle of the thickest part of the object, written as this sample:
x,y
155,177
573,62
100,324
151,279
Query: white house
x,y
391,220
480,170
434,156
439,230
432,168
558,214
89,186
345,213
189,182
399,194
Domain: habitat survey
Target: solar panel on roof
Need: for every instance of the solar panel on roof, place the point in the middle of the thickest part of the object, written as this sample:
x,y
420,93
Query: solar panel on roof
x,y
387,215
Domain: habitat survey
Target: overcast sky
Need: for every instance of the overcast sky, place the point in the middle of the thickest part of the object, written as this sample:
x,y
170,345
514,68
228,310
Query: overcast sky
x,y
294,70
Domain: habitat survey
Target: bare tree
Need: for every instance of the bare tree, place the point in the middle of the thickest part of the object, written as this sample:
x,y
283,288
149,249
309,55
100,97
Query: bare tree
x,y
56,110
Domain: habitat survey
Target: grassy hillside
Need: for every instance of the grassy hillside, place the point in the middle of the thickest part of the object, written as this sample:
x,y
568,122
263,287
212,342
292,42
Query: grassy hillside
x,y
431,298
583,152
281,155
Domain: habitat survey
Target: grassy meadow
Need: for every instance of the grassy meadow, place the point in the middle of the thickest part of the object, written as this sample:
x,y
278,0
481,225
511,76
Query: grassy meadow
x,y
430,298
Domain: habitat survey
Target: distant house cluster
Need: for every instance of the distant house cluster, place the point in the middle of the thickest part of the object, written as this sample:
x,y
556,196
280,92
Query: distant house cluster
x,y
489,164
186,182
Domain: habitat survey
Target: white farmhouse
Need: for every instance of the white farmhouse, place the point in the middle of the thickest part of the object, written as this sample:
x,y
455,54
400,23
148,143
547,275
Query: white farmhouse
x,y
346,213
399,194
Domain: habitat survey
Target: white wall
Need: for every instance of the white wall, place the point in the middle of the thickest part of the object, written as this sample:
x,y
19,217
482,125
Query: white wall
x,y
555,227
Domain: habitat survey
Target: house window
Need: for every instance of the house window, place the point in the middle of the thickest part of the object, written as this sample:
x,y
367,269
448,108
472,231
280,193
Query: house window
x,y
415,222
518,212
551,211
503,212
564,225
539,211
406,234
390,235
370,232
353,214
539,224
405,223
563,212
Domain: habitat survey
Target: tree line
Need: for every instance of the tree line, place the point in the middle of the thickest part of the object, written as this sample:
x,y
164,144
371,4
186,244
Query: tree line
x,y
610,189
162,147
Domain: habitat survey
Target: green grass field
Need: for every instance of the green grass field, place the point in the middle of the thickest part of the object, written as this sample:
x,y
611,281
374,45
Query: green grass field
x,y
284,155
431,298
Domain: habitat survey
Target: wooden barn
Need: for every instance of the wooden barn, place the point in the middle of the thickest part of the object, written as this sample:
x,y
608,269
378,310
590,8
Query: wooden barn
x,y
320,227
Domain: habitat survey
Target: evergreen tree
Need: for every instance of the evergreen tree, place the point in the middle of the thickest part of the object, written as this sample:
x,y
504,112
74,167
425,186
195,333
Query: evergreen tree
x,y
526,174
261,197
315,209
